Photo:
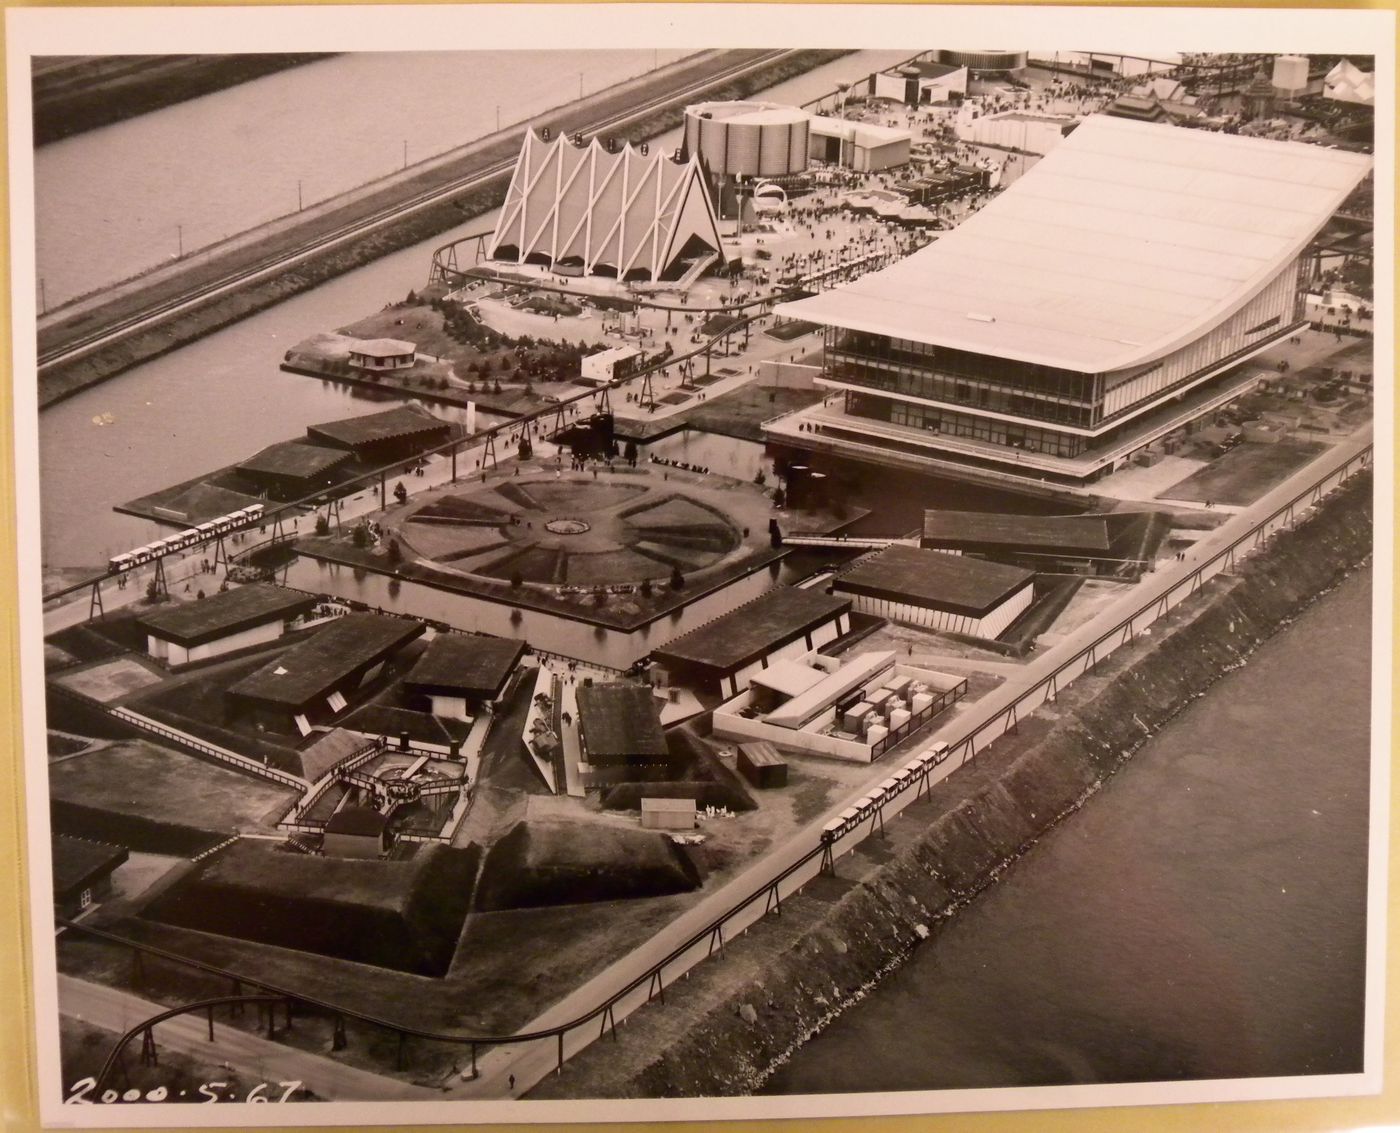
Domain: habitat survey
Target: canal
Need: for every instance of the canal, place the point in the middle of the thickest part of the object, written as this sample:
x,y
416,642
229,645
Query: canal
x,y
1203,918
216,400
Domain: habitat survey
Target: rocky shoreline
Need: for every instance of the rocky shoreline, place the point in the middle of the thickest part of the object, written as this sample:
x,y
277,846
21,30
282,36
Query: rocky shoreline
x,y
724,1029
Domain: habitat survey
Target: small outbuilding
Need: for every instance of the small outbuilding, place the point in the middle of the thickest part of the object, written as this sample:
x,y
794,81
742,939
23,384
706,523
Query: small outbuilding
x,y
668,814
619,726
245,616
609,366
82,872
356,832
459,674
762,765
954,593
379,354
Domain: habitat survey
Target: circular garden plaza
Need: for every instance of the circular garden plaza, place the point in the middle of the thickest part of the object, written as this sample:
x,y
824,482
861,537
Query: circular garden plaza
x,y
606,543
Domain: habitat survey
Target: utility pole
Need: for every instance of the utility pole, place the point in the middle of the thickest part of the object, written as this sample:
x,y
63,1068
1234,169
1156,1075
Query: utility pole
x,y
298,194
180,241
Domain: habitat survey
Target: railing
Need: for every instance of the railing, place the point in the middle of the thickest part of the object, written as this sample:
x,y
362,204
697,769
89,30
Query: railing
x,y
767,896
242,762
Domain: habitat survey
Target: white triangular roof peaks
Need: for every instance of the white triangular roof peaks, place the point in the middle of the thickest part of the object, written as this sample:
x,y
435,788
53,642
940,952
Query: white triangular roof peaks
x,y
622,211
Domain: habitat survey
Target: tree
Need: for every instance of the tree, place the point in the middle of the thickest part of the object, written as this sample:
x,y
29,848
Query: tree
x,y
629,453
323,525
360,536
400,492
496,386
677,579
516,581
395,552
646,588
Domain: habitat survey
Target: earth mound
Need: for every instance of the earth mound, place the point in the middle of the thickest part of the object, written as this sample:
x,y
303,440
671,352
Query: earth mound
x,y
569,863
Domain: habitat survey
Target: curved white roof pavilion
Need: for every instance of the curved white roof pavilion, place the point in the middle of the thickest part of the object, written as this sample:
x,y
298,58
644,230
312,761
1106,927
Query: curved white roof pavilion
x,y
1127,242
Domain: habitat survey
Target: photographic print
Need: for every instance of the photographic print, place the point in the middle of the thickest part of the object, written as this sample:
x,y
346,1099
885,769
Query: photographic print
x,y
571,571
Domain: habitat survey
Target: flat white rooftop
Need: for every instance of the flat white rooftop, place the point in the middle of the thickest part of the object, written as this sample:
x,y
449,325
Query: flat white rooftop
x,y
1129,240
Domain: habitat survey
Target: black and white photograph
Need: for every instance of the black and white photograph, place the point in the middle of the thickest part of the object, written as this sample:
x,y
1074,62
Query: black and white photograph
x,y
570,571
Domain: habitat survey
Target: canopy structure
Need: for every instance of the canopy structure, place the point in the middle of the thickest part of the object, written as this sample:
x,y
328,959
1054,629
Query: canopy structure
x,y
1127,242
1346,82
585,209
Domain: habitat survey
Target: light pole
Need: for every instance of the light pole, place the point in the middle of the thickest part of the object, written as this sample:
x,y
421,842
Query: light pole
x,y
405,153
298,194
179,241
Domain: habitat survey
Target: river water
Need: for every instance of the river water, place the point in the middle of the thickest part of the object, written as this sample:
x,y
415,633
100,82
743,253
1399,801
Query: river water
x,y
1203,917
118,200
223,397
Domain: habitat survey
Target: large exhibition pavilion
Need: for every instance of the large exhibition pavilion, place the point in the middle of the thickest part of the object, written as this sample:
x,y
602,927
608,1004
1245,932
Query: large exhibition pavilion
x,y
1107,298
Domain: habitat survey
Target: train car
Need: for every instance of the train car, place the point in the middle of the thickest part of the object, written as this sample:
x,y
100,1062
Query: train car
x,y
119,563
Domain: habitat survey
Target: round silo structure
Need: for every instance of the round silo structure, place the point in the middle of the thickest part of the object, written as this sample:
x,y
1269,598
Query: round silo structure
x,y
989,59
747,139
1291,73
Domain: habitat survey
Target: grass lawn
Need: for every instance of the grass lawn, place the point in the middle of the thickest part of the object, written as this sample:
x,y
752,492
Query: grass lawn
x,y
136,777
1245,473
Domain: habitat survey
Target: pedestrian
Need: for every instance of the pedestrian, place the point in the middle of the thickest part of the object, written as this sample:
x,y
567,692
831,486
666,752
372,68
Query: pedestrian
x,y
511,1081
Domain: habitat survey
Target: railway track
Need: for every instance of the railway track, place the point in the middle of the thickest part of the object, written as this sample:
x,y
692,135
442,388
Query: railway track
x,y
326,241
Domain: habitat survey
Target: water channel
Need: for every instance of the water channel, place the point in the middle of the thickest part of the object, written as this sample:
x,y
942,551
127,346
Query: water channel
x,y
222,398
1203,918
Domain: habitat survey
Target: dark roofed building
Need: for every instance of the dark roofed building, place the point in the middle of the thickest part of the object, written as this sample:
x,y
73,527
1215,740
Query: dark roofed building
x,y
723,654
82,872
619,726
309,683
244,616
355,832
1117,542
946,592
458,673
379,438
422,730
290,469
979,530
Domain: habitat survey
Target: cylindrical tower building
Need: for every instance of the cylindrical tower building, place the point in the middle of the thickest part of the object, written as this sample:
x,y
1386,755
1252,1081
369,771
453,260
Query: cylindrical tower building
x,y
747,139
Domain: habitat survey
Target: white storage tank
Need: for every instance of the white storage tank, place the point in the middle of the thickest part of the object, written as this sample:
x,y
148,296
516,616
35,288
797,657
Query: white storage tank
x,y
747,139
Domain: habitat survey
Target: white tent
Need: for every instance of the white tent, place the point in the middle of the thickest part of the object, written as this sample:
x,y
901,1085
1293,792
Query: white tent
x,y
582,208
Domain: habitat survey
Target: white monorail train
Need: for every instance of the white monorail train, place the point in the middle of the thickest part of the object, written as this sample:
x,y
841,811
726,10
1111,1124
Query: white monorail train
x,y
865,806
184,540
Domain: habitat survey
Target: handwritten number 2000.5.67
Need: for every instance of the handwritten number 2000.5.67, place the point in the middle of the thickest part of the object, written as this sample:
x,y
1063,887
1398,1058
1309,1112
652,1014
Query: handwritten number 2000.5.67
x,y
207,1092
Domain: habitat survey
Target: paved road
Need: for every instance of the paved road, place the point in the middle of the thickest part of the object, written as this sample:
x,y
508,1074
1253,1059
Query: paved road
x,y
255,1058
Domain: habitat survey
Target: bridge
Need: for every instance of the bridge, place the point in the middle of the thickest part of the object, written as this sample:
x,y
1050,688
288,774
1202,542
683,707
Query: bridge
x,y
845,542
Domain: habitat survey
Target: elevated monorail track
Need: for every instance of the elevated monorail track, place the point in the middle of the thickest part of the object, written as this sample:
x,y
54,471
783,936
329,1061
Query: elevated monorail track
x,y
155,314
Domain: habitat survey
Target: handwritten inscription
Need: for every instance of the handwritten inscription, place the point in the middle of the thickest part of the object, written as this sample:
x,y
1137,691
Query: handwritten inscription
x,y
81,1093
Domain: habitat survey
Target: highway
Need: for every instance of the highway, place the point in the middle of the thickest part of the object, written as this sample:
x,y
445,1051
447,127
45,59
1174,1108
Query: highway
x,y
157,313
